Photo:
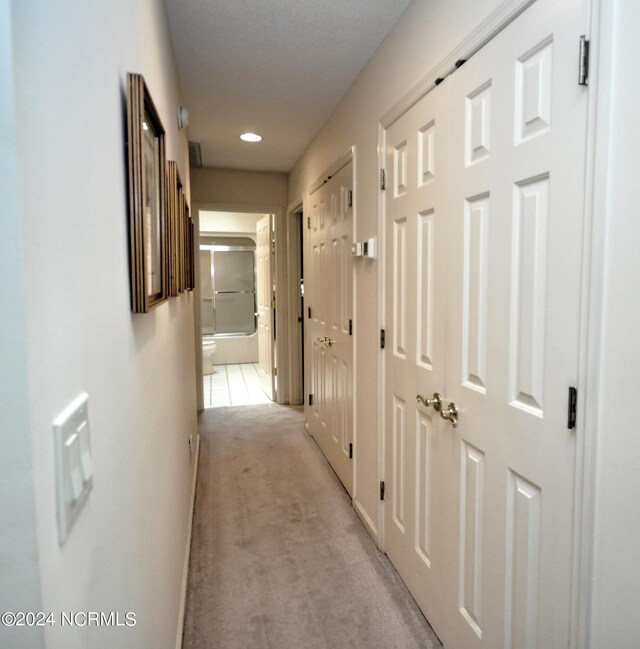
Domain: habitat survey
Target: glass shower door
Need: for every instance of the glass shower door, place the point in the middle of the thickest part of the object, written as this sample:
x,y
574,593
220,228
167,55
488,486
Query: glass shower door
x,y
234,297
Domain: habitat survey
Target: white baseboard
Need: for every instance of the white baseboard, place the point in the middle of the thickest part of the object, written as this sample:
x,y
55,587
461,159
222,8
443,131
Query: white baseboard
x,y
366,519
187,550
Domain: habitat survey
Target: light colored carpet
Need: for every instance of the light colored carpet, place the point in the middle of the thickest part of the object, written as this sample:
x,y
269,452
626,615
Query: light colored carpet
x,y
279,559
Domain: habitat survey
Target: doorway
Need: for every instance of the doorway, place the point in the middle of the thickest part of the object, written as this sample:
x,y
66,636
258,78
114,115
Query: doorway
x,y
299,220
235,272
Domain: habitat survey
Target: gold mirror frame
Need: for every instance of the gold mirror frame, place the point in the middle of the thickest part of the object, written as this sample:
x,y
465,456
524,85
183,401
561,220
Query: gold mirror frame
x,y
147,198
180,234
174,187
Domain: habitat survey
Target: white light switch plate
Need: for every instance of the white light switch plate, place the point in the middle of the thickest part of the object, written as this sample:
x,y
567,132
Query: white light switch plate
x,y
74,472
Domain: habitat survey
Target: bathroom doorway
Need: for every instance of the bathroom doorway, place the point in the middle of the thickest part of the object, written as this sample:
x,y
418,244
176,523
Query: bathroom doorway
x,y
232,281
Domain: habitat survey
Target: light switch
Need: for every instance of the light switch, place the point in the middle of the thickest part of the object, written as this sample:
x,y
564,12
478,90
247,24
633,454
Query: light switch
x,y
85,451
74,471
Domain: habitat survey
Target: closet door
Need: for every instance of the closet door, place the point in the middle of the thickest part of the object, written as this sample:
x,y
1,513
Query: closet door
x,y
419,449
500,282
518,132
329,295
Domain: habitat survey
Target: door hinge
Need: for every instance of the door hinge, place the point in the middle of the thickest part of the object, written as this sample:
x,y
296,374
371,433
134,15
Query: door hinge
x,y
350,198
583,66
381,489
351,327
383,179
309,312
572,409
309,222
310,399
382,338
275,371
350,451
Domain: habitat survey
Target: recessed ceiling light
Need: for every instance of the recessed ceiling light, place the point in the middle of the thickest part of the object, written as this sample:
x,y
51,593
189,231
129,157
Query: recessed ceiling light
x,y
250,137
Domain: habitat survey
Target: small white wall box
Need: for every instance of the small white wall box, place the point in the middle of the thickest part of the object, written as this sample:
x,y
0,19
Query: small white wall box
x,y
74,471
369,248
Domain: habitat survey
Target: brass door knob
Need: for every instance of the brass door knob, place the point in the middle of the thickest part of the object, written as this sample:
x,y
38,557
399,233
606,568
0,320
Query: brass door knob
x,y
450,413
436,402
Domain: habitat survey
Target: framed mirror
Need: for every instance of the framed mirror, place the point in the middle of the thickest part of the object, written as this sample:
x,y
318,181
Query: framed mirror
x,y
147,198
174,188
179,234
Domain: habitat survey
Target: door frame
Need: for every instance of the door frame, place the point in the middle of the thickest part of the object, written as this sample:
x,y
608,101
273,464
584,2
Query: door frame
x,y
294,265
280,342
268,379
589,394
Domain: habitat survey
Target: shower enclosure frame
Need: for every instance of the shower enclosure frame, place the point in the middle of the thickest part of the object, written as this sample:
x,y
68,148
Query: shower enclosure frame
x,y
213,248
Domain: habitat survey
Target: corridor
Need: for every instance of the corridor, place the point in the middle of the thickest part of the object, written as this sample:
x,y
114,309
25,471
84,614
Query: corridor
x,y
279,558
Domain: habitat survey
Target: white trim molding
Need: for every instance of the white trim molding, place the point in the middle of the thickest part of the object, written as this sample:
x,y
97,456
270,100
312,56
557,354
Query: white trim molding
x,y
493,25
187,550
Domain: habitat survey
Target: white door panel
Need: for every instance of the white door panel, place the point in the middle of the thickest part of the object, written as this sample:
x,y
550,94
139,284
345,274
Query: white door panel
x,y
485,244
418,447
329,296
514,307
264,255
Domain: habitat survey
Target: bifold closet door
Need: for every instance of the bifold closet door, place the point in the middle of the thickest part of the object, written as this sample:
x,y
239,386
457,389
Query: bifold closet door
x,y
329,295
419,449
518,146
500,486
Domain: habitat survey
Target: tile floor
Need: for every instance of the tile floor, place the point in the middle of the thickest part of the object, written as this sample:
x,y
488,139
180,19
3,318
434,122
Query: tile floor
x,y
233,385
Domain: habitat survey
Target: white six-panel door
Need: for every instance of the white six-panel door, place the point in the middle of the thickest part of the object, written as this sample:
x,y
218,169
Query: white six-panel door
x,y
264,256
328,293
418,448
483,234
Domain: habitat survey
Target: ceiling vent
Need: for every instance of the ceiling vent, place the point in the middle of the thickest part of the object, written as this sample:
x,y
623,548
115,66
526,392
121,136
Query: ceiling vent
x,y
195,155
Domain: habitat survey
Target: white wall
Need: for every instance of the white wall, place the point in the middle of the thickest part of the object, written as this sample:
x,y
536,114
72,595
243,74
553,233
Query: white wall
x,y
19,579
127,548
426,33
614,619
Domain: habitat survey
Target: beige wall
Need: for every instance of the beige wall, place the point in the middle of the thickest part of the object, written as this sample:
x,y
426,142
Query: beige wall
x,y
127,548
230,222
238,187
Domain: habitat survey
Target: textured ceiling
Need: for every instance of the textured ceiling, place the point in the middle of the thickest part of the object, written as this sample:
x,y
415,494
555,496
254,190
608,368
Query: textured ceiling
x,y
274,67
